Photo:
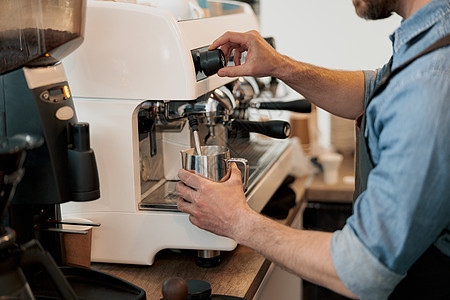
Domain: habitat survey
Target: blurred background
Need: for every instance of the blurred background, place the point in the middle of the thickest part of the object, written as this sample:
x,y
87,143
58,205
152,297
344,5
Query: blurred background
x,y
327,33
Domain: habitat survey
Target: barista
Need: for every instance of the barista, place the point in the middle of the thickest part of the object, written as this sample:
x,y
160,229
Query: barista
x,y
397,242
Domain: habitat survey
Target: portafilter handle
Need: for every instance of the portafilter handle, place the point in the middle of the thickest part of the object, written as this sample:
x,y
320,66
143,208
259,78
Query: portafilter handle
x,y
275,129
298,106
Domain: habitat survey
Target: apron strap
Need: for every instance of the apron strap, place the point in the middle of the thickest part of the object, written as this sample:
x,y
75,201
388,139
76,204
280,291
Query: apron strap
x,y
429,277
363,159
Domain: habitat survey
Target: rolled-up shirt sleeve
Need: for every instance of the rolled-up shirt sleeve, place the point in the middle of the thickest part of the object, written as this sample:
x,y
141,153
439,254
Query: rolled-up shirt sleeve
x,y
358,269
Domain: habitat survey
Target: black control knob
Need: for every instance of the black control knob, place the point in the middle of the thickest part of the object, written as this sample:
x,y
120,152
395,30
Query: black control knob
x,y
299,106
275,128
212,61
80,136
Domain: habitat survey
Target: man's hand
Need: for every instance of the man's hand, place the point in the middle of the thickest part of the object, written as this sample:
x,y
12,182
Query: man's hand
x,y
338,92
261,60
221,208
218,207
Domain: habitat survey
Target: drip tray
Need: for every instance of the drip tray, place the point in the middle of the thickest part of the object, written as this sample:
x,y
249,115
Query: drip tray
x,y
261,155
87,284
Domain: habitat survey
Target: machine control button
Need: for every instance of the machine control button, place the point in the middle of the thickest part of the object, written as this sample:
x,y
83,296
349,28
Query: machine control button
x,y
207,62
55,94
64,113
45,96
212,61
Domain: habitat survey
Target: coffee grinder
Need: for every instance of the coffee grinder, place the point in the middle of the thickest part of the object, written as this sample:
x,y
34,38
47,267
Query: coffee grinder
x,y
35,36
35,99
13,283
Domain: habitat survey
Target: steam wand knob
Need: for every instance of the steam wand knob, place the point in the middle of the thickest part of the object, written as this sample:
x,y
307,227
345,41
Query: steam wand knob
x,y
212,61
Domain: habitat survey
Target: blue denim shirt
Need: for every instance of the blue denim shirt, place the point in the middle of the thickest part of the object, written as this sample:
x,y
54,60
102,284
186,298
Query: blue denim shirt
x,y
406,207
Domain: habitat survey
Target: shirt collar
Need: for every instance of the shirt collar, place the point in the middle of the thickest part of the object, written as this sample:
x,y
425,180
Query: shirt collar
x,y
419,22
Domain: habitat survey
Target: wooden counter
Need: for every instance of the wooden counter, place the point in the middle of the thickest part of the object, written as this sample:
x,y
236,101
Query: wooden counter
x,y
340,192
239,274
242,270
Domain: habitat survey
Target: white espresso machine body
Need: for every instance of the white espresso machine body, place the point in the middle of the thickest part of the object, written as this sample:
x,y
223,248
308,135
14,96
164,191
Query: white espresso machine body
x,y
133,55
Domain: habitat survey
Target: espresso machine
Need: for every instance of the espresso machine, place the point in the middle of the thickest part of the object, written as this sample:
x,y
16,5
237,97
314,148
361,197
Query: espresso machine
x,y
39,122
137,79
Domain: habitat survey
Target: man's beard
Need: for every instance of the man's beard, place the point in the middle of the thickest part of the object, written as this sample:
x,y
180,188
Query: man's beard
x,y
374,9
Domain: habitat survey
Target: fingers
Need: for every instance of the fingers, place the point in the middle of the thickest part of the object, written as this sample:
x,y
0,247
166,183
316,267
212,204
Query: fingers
x,y
250,42
232,41
187,193
235,172
190,179
229,37
237,57
234,71
184,206
186,199
228,48
235,175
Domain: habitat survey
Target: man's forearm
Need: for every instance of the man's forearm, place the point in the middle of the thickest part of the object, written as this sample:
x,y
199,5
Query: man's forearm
x,y
338,92
305,253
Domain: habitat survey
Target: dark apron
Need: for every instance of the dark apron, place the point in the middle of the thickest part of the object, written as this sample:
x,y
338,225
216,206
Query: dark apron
x,y
429,277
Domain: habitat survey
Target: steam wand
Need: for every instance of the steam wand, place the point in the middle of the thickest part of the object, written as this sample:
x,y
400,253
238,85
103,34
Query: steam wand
x,y
193,123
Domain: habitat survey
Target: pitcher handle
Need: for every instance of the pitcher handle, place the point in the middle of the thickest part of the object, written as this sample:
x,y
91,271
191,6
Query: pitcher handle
x,y
244,162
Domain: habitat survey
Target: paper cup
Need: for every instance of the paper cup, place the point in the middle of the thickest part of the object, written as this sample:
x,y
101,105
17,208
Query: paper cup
x,y
78,245
330,163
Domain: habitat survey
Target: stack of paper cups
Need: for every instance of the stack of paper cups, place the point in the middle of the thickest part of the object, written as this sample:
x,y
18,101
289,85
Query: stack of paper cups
x,y
330,164
78,245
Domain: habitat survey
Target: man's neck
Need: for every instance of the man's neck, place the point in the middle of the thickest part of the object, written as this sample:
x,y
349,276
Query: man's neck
x,y
406,8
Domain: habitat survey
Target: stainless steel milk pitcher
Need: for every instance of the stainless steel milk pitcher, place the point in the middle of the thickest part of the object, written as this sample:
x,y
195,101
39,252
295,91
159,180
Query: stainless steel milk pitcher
x,y
213,163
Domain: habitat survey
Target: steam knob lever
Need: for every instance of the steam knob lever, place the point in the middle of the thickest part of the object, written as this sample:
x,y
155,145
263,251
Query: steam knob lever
x,y
212,61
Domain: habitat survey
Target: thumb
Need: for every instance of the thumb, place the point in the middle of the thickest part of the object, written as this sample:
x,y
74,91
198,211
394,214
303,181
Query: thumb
x,y
234,71
235,173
